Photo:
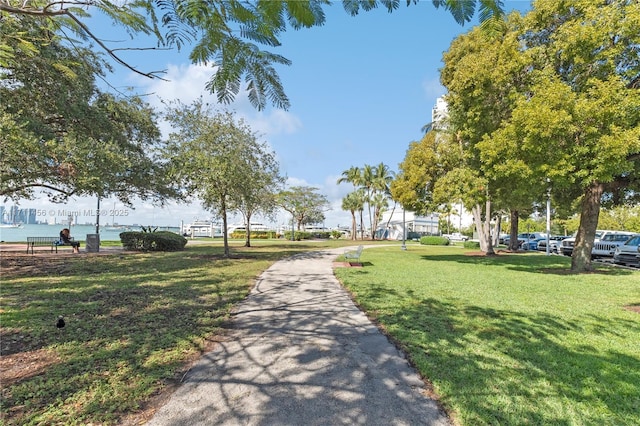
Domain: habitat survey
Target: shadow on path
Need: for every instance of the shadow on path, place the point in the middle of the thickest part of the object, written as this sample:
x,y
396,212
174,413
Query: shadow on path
x,y
300,352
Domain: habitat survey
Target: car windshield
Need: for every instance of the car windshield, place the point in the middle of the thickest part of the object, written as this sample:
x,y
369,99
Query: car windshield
x,y
617,237
633,241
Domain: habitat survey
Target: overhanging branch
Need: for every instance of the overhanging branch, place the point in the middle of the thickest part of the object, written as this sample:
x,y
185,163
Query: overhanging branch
x,y
46,12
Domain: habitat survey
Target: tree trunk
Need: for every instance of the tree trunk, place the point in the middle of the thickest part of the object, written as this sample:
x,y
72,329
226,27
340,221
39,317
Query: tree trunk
x,y
390,216
225,238
496,231
590,212
513,231
483,227
354,226
247,227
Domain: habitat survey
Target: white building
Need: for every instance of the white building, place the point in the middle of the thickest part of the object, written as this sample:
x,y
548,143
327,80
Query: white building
x,y
439,114
394,221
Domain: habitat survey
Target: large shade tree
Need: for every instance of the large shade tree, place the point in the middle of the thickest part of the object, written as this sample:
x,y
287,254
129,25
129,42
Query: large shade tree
x,y
62,136
579,122
219,159
483,76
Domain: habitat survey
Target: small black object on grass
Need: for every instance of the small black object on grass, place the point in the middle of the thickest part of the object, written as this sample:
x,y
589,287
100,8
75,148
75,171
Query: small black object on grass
x,y
60,323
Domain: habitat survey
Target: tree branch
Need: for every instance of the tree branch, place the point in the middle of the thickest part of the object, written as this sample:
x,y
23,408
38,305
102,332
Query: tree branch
x,y
9,191
45,12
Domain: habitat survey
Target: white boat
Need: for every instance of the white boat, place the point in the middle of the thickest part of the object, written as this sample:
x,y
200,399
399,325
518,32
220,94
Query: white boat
x,y
242,227
202,228
11,225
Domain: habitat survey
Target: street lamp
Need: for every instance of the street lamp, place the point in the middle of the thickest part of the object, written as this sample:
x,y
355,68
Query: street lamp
x,y
404,231
548,216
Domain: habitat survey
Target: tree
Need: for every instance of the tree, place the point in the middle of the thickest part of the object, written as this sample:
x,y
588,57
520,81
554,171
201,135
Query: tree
x,y
578,122
216,157
353,203
374,183
258,190
304,203
226,34
483,76
63,136
382,178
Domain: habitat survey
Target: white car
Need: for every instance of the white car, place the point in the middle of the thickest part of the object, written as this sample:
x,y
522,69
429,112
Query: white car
x,y
606,247
566,247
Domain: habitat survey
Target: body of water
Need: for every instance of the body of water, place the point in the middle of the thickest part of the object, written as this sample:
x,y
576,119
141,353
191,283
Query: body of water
x,y
79,232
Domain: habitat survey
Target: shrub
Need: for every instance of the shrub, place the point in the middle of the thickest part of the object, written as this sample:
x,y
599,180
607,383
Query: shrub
x,y
471,245
152,241
434,241
259,235
298,235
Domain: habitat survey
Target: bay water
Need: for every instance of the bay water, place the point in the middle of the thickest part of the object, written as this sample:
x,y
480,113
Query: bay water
x,y
79,232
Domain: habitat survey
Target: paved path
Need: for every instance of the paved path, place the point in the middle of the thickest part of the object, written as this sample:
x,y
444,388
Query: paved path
x,y
301,353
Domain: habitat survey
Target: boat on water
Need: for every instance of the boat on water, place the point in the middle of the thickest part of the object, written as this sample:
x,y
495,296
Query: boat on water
x,y
11,225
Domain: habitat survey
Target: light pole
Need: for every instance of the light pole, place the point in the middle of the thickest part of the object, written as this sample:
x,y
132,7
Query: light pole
x,y
404,231
548,216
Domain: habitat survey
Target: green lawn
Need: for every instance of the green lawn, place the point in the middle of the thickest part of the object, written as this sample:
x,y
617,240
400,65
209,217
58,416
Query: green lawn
x,y
506,340
132,322
512,339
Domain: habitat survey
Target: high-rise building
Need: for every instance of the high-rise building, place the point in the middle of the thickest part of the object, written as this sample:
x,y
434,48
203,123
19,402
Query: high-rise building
x,y
439,114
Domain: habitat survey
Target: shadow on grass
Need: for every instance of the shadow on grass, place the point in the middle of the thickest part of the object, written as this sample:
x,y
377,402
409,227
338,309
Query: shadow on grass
x,y
533,263
497,366
132,321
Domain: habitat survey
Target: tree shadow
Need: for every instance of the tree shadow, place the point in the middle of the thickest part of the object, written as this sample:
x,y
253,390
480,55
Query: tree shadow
x,y
526,360
533,263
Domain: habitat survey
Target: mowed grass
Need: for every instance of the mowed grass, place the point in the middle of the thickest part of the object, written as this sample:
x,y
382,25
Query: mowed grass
x,y
133,322
512,339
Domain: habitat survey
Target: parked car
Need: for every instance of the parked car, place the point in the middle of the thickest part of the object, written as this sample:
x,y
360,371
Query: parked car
x,y
628,253
567,244
532,244
525,237
456,236
554,243
606,247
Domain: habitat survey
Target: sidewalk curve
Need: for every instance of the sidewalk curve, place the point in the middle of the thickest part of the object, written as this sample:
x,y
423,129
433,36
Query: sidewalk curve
x,y
301,353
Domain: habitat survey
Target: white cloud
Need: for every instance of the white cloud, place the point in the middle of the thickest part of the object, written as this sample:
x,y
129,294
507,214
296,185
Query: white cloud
x,y
187,82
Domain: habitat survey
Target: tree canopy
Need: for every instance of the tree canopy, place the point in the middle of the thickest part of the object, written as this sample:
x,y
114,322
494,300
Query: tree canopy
x,y
231,35
553,100
62,135
219,159
305,203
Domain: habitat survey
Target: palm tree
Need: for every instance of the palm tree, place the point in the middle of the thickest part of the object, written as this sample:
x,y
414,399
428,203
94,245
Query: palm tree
x,y
352,176
352,202
381,183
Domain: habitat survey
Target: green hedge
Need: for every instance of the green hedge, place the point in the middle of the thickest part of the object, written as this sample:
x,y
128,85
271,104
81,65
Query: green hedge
x,y
260,235
152,241
471,245
434,241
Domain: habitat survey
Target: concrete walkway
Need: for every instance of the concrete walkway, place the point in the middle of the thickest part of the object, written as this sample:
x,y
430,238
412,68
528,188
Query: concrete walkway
x,y
301,353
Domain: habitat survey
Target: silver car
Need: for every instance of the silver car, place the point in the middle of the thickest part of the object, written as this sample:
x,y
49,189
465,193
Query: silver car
x,y
628,253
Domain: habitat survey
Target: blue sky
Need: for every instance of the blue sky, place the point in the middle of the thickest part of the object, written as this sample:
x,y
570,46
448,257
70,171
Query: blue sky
x,y
360,88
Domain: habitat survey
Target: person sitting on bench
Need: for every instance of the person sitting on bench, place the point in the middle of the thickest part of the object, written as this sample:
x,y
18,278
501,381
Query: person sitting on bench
x,y
65,238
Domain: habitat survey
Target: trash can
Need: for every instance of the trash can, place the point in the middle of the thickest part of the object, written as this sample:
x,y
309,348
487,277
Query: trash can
x,y
93,243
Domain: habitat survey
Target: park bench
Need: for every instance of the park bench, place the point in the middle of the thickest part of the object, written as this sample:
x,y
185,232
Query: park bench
x,y
54,242
353,254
